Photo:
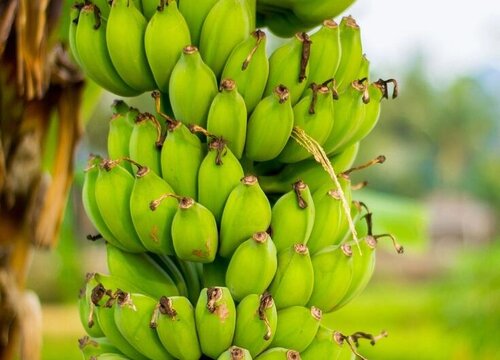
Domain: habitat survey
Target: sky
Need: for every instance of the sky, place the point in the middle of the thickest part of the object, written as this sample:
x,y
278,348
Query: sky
x,y
455,36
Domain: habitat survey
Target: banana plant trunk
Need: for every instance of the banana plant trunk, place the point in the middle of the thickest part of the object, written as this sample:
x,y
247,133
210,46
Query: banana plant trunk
x,y
40,92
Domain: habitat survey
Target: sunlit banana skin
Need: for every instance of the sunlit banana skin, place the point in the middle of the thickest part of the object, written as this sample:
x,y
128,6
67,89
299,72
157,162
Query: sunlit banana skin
x,y
192,82
235,353
294,279
175,325
125,41
252,266
95,347
297,326
279,353
256,321
227,117
352,53
269,126
132,315
248,66
247,211
215,315
146,141
293,217
220,172
166,23
324,345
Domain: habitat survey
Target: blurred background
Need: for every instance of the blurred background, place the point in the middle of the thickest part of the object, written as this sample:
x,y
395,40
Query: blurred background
x,y
438,192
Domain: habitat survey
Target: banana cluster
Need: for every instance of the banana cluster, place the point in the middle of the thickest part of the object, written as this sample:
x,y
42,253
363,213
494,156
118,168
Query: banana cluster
x,y
225,238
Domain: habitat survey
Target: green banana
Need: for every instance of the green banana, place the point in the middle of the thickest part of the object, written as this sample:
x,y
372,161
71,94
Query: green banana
x,y
90,203
172,266
350,110
289,65
104,7
195,13
325,53
150,7
192,82
86,308
194,230
352,53
215,315
252,266
227,117
175,325
235,353
151,280
324,345
293,217
146,141
93,53
293,282
235,28
256,320
152,227
112,192
214,273
121,126
283,22
332,276
247,211
279,353
312,11
269,126
166,35
73,24
220,172
364,69
120,107
248,66
133,319
94,347
189,271
110,356
309,171
297,326
314,113
125,40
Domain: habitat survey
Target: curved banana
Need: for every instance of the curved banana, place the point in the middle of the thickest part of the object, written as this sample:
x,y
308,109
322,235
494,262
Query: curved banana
x,y
247,211
146,141
248,66
95,347
86,309
166,23
324,345
195,13
312,11
227,117
121,126
215,315
352,53
74,14
125,40
214,273
279,353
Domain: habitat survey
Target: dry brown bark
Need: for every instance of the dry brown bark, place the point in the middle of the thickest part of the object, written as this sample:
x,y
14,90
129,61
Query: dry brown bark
x,y
36,81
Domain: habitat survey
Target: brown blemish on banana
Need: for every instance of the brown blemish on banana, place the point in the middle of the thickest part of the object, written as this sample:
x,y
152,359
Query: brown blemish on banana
x,y
214,294
301,249
236,353
249,180
259,36
227,85
153,234
316,88
292,355
282,92
298,187
306,53
260,237
218,144
316,313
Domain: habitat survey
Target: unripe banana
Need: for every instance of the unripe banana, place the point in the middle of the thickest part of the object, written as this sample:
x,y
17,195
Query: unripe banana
x,y
149,7
195,13
246,212
269,126
235,353
133,318
192,82
220,172
289,65
332,276
314,113
175,325
121,126
104,7
349,112
294,279
227,117
152,280
283,22
279,353
194,230
166,35
235,28
93,53
325,53
293,217
112,191
248,66
214,273
181,157
172,266
297,326
312,11
152,227
252,266
192,277
352,53
95,347
324,345
90,203
125,40
73,23
146,141
86,308
256,320
215,315
110,356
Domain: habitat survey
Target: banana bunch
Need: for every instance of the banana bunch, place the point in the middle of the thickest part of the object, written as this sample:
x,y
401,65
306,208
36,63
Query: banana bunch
x,y
225,238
